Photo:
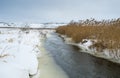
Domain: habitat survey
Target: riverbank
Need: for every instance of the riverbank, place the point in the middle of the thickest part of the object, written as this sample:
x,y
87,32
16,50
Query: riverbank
x,y
106,54
18,53
22,55
47,65
78,64
99,38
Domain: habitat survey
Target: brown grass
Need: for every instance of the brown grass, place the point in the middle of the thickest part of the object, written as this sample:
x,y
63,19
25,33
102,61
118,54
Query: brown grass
x,y
107,32
10,40
2,56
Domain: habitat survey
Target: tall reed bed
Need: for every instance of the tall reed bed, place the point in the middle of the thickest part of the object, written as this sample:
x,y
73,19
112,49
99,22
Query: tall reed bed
x,y
106,32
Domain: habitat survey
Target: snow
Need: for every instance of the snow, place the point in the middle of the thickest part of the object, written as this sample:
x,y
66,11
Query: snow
x,y
53,25
22,55
36,25
2,24
18,53
32,25
86,45
12,71
49,25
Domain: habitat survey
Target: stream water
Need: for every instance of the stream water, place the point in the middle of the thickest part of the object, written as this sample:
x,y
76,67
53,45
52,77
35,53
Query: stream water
x,y
78,64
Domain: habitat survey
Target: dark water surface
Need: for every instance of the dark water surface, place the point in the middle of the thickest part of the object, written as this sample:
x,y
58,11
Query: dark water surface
x,y
78,64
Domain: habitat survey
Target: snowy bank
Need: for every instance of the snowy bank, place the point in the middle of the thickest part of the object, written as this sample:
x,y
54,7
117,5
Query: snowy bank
x,y
85,46
22,55
18,53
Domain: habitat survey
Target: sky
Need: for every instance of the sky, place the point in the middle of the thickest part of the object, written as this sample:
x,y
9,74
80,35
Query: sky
x,y
39,11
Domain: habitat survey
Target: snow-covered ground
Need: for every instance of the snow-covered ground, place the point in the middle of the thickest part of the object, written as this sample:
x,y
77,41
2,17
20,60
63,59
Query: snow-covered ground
x,y
18,53
3,24
85,46
32,25
53,25
23,56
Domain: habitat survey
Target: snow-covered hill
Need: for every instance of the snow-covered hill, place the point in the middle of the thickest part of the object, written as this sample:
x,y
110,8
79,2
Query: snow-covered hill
x,y
32,25
46,25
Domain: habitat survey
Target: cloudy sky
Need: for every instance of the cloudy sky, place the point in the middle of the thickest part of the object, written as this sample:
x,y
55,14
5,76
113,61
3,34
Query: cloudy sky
x,y
37,11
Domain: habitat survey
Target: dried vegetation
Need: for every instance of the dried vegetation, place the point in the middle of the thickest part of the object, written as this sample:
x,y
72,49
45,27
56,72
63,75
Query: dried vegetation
x,y
106,32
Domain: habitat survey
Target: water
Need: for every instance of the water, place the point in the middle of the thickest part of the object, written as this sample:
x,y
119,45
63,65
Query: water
x,y
78,64
48,67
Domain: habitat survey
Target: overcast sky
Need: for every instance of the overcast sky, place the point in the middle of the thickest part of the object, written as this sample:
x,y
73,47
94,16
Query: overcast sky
x,y
37,11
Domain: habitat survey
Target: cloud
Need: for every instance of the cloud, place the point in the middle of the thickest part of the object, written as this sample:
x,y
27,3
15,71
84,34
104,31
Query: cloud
x,y
57,10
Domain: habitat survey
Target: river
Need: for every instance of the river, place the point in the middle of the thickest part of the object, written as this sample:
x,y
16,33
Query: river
x,y
79,64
